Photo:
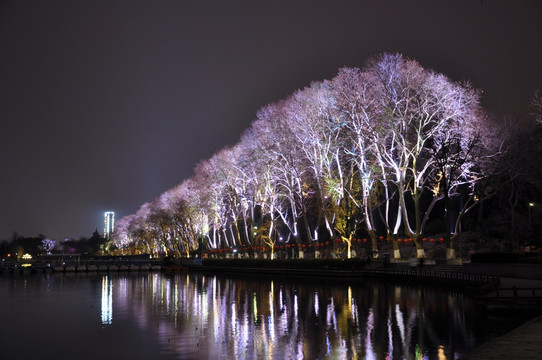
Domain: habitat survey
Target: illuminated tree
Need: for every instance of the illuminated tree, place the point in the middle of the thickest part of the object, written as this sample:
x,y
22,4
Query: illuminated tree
x,y
191,216
167,217
160,222
464,155
356,116
266,192
48,245
145,232
121,238
309,118
336,156
209,184
280,169
245,185
420,110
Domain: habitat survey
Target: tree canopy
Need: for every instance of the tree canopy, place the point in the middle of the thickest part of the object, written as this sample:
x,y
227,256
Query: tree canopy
x,y
372,151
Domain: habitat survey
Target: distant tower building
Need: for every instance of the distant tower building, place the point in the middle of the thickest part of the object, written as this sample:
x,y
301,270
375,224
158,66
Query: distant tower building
x,y
109,224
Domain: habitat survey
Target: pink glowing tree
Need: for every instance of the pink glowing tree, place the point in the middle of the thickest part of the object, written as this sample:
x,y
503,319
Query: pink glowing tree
x,y
279,168
336,156
308,114
121,238
418,111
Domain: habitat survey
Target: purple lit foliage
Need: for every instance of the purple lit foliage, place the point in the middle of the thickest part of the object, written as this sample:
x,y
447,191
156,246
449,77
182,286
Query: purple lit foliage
x,y
48,245
330,158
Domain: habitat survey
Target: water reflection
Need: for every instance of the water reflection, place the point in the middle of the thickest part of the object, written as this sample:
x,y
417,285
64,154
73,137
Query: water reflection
x,y
198,316
107,300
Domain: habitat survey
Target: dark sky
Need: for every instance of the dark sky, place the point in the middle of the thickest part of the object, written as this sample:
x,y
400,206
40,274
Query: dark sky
x,y
106,104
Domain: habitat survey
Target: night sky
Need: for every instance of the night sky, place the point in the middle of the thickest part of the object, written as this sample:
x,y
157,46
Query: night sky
x,y
104,105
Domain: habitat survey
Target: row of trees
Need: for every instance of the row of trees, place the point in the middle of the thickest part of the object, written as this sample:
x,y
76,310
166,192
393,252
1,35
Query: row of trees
x,y
373,152
39,245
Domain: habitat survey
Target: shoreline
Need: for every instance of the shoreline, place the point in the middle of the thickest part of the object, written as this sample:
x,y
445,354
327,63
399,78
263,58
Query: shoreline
x,y
425,275
523,342
525,339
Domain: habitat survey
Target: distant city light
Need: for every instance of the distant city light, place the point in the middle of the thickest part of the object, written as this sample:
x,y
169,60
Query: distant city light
x,y
109,223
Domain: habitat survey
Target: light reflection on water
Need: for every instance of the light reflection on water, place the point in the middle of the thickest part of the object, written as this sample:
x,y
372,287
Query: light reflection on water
x,y
107,300
196,316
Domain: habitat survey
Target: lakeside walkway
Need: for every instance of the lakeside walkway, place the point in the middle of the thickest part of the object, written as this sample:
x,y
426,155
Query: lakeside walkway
x,y
522,343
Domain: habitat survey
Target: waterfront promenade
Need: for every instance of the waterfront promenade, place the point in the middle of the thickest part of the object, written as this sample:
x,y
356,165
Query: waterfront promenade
x,y
522,343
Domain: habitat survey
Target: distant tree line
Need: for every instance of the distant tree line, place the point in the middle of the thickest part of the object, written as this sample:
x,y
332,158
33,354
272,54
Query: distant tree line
x,y
39,245
380,153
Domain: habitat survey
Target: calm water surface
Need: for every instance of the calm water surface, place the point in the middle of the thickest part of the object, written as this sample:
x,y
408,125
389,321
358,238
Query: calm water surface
x,y
196,316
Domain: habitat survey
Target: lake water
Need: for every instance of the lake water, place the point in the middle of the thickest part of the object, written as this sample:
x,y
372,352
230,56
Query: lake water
x,y
197,316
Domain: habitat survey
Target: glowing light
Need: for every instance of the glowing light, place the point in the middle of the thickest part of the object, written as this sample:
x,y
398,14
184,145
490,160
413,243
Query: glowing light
x,y
331,318
419,352
271,314
107,301
350,299
531,204
440,354
27,256
400,322
255,308
233,323
390,334
109,223
369,352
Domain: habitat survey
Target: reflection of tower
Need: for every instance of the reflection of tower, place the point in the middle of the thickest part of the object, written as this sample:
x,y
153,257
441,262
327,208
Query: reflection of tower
x,y
109,224
107,301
